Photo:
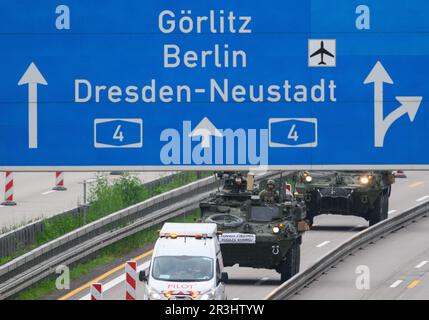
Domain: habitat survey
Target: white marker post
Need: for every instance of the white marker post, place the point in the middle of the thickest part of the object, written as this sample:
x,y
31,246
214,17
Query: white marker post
x,y
32,77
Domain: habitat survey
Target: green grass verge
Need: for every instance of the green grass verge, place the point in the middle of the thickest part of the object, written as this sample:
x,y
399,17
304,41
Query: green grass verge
x,y
105,198
103,257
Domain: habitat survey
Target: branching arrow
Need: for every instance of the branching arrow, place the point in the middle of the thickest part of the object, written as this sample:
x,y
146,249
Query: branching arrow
x,y
32,77
205,129
409,105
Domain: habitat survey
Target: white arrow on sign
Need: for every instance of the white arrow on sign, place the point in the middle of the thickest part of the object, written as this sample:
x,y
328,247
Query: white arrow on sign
x,y
409,105
205,129
32,77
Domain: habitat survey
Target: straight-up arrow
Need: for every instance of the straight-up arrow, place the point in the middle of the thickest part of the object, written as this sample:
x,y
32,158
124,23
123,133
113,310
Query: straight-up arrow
x,y
205,129
378,76
32,77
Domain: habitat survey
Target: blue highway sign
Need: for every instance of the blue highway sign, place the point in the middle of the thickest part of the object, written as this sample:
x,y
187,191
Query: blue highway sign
x,y
156,84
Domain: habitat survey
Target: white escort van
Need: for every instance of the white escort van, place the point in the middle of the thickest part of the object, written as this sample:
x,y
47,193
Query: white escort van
x,y
186,264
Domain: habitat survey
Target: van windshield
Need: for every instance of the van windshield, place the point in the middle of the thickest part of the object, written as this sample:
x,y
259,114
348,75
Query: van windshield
x,y
182,268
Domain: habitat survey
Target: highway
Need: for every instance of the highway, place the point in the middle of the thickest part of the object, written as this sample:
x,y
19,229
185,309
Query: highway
x,y
36,199
328,232
398,269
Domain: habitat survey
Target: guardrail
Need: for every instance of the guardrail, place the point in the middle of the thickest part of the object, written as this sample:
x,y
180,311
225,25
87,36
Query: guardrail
x,y
25,235
303,279
41,262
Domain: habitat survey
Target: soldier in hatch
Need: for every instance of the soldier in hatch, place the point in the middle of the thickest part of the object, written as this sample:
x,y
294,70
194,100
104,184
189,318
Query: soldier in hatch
x,y
269,194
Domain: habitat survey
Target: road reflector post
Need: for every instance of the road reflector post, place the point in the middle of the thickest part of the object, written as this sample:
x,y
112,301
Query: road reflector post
x,y
59,181
8,195
96,291
131,280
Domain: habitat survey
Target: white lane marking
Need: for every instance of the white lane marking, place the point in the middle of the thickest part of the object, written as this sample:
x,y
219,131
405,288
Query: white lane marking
x,y
396,283
324,243
422,199
48,192
421,264
391,211
235,298
114,282
260,281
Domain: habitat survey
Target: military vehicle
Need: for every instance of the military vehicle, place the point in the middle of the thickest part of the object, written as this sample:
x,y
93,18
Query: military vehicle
x,y
255,233
364,194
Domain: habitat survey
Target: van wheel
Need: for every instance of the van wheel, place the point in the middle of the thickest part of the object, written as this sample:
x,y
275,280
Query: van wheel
x,y
290,264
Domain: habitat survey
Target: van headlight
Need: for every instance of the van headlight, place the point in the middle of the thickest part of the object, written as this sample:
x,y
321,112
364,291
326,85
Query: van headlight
x,y
209,295
153,294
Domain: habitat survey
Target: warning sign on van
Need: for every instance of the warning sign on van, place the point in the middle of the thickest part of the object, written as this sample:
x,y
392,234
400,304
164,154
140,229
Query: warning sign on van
x,y
237,238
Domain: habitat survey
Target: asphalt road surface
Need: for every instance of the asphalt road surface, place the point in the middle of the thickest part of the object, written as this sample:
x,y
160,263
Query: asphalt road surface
x,y
394,267
329,231
35,197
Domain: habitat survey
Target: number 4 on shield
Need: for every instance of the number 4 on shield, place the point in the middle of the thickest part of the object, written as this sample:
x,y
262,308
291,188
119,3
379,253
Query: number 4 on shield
x,y
293,134
119,135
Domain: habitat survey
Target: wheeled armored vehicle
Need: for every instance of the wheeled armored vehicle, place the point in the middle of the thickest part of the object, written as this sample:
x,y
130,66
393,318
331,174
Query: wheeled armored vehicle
x,y
363,193
255,233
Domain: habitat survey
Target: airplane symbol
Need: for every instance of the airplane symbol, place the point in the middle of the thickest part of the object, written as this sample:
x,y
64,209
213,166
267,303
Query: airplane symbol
x,y
321,52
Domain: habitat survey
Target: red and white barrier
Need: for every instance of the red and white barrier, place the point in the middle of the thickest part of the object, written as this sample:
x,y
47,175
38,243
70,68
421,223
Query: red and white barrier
x,y
131,280
59,181
8,194
96,291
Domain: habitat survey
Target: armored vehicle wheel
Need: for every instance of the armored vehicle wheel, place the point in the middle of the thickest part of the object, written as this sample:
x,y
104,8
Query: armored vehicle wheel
x,y
310,220
290,265
380,210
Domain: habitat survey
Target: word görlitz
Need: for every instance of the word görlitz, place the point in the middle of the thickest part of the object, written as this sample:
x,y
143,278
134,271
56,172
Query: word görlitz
x,y
218,91
217,21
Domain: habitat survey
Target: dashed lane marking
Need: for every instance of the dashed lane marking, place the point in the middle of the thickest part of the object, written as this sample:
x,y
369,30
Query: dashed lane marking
x,y
324,243
422,199
421,264
396,283
48,192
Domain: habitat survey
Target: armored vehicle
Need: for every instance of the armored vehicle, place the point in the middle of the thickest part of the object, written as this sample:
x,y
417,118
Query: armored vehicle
x,y
257,232
364,194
